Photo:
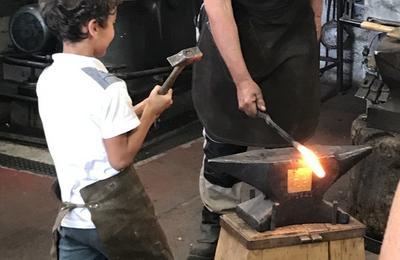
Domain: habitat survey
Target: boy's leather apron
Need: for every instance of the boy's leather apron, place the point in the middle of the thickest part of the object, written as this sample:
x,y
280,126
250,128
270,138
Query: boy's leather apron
x,y
124,218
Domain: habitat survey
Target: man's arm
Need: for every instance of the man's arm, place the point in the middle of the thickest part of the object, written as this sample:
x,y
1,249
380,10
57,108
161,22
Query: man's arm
x,y
317,6
225,33
391,242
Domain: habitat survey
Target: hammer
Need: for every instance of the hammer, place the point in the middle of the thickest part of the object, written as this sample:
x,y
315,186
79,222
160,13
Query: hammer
x,y
179,61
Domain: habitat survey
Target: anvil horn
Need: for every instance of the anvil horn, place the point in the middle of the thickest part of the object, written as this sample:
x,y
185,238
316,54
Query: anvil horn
x,y
348,159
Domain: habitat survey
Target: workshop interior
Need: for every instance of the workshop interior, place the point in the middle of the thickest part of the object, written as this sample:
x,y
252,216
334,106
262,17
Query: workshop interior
x,y
359,54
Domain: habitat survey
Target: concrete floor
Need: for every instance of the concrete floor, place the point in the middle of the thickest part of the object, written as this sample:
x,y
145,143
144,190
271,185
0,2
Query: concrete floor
x,y
28,208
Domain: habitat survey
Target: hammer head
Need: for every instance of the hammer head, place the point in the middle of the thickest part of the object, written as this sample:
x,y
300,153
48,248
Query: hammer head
x,y
185,57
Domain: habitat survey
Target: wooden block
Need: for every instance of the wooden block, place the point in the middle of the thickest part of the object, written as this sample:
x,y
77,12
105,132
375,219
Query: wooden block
x,y
348,249
229,248
318,251
324,241
289,235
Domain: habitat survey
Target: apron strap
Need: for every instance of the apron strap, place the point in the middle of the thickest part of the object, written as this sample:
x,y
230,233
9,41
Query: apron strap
x,y
65,208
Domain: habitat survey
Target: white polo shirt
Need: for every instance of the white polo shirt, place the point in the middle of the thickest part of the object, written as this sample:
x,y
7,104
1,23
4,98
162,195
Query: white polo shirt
x,y
80,104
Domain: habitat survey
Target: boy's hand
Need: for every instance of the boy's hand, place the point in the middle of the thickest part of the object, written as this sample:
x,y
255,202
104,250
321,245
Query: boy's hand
x,y
156,103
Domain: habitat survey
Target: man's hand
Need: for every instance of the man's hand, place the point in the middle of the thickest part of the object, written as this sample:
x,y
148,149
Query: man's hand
x,y
250,98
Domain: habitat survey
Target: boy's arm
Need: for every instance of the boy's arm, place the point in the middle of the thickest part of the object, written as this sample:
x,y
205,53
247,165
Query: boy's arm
x,y
139,108
122,149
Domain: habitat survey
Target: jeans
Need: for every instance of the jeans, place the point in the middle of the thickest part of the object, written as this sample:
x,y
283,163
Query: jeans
x,y
80,244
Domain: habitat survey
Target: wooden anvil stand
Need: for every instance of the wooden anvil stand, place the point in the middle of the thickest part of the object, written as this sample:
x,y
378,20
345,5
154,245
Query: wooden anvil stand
x,y
319,241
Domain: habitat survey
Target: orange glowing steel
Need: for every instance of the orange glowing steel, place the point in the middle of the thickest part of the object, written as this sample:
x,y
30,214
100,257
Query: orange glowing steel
x,y
311,160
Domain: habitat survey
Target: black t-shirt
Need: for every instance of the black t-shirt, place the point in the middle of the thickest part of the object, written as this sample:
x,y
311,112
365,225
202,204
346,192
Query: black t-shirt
x,y
269,11
264,5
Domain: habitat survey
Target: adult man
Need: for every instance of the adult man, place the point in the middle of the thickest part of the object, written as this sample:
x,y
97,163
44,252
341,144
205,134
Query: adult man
x,y
254,51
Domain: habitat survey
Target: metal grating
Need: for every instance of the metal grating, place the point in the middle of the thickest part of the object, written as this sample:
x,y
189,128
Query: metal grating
x,y
27,165
154,146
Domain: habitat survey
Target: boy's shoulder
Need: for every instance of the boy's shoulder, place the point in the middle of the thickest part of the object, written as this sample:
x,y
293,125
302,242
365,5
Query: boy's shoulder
x,y
104,79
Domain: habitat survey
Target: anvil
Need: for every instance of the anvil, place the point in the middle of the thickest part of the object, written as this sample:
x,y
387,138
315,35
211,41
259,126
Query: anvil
x,y
291,193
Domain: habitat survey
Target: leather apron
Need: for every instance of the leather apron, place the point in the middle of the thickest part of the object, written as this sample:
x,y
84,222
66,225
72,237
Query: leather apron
x,y
279,45
124,218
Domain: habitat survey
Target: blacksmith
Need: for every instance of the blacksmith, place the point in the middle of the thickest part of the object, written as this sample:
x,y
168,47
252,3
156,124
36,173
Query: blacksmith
x,y
258,55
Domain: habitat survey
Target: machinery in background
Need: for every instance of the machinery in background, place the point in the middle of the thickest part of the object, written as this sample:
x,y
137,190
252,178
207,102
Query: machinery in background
x,y
381,85
147,31
374,181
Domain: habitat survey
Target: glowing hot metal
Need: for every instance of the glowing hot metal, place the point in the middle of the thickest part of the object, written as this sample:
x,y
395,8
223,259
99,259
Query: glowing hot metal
x,y
311,160
309,157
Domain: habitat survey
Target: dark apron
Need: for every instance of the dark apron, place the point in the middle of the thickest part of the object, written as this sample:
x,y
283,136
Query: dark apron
x,y
124,218
281,52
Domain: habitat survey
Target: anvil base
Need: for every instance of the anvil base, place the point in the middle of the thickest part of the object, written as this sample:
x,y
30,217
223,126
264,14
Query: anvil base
x,y
264,214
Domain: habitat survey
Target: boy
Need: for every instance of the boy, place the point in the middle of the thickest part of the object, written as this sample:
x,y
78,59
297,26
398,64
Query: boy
x,y
93,134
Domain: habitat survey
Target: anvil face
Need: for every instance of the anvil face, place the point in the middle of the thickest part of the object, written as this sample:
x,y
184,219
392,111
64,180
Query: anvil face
x,y
280,175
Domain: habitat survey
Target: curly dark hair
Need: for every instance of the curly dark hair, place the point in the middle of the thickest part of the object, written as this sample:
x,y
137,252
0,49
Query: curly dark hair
x,y
65,18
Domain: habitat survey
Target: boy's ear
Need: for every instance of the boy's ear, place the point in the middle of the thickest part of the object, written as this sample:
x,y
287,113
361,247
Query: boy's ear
x,y
92,28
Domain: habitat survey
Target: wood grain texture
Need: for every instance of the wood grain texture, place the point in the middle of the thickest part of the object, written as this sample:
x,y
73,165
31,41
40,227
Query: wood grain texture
x,y
289,235
335,242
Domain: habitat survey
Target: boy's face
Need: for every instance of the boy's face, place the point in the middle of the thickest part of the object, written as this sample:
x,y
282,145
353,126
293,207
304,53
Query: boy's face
x,y
105,36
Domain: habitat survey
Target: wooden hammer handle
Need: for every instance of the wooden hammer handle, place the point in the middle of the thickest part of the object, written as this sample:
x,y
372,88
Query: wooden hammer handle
x,y
169,82
376,27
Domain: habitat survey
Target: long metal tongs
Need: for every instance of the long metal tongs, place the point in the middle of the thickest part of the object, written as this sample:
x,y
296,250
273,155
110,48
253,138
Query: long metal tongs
x,y
278,129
